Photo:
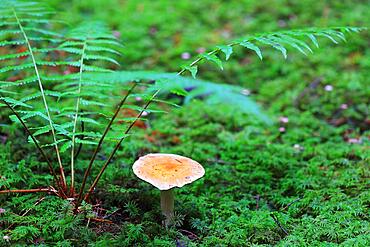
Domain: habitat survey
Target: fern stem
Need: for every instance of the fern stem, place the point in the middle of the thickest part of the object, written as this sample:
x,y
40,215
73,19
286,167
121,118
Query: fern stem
x,y
87,172
76,118
33,139
200,59
43,98
118,145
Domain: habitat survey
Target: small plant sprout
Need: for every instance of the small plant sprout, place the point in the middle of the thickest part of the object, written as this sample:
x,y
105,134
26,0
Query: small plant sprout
x,y
166,171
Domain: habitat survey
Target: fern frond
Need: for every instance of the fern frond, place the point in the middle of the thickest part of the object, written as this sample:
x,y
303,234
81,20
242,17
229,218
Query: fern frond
x,y
212,56
31,114
9,32
103,49
14,103
42,31
16,67
69,84
53,144
39,95
48,39
17,83
60,78
296,39
81,42
12,56
57,64
213,93
104,42
11,43
19,11
101,58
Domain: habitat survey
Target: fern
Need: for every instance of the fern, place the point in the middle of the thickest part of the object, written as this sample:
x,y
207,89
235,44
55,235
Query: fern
x,y
54,86
15,11
81,43
296,39
213,93
221,93
267,38
86,51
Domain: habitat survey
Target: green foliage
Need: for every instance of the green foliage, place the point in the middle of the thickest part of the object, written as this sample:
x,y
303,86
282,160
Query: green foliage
x,y
73,91
63,104
277,40
225,93
189,88
306,185
321,182
67,89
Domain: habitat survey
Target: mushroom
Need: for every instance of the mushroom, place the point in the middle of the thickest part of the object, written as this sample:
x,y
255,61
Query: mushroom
x,y
166,171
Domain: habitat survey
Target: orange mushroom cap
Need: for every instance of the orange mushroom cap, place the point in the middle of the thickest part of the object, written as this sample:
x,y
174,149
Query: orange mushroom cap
x,y
166,171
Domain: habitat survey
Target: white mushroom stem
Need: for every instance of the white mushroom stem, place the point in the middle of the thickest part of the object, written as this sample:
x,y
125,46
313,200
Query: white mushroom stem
x,y
167,205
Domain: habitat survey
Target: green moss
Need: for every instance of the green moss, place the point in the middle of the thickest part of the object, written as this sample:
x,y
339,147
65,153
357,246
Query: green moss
x,y
305,186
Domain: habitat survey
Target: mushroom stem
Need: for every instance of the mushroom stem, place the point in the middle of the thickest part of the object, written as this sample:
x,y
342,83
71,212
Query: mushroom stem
x,y
167,205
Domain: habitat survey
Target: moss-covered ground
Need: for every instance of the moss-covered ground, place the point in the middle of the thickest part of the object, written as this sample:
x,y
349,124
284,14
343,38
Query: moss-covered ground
x,y
301,181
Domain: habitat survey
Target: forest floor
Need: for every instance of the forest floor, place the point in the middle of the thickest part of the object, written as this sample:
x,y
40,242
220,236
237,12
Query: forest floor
x,y
301,181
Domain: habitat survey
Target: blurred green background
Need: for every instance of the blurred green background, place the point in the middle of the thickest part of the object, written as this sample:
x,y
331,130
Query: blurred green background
x,y
163,35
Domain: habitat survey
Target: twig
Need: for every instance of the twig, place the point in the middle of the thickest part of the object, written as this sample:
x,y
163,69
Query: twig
x,y
109,215
34,205
28,210
279,224
50,190
101,220
275,218
287,206
257,197
189,233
